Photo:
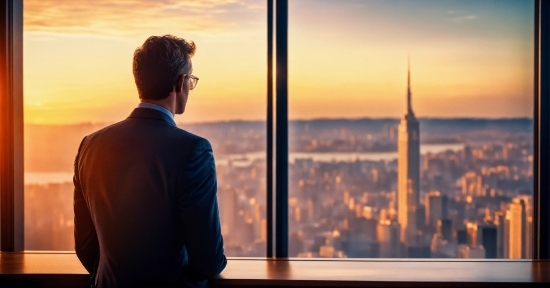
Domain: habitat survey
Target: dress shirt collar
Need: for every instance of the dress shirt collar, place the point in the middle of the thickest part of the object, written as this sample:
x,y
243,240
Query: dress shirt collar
x,y
156,107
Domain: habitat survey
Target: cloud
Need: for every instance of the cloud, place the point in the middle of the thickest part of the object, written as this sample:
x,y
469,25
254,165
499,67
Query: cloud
x,y
132,17
464,18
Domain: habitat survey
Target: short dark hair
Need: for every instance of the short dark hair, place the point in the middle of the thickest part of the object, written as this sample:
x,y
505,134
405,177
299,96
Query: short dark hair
x,y
159,62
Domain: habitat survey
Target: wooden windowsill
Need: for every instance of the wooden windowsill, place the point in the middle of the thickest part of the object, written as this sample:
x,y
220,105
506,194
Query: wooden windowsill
x,y
64,269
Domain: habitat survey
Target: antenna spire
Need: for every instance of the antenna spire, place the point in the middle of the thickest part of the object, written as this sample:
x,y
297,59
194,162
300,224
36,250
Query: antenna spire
x,y
409,104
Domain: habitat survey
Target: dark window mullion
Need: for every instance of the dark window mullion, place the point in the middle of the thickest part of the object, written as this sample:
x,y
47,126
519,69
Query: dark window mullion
x,y
11,125
281,129
542,131
269,131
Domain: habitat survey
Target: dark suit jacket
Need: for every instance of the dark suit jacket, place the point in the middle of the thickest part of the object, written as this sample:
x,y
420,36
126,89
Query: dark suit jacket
x,y
145,204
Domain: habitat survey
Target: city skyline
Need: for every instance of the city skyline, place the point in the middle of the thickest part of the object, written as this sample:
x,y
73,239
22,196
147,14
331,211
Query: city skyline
x,y
473,54
339,207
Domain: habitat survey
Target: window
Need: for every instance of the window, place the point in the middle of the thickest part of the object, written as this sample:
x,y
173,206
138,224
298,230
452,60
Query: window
x,y
411,129
78,79
11,120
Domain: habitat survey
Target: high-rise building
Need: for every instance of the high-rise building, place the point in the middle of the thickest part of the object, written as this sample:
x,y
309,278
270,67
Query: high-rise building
x,y
461,236
500,222
436,208
528,237
408,182
445,229
387,234
506,226
483,235
468,157
487,237
517,229
472,184
471,234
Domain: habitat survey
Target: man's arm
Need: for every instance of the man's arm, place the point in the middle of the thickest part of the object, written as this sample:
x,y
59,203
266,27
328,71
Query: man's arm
x,y
199,209
85,237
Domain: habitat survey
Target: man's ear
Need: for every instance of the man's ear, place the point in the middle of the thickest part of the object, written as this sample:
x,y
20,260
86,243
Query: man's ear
x,y
179,83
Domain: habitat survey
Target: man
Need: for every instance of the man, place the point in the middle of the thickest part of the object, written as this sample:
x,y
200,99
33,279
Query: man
x,y
145,203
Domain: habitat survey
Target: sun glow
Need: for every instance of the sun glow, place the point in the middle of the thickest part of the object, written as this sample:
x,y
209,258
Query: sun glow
x,y
78,59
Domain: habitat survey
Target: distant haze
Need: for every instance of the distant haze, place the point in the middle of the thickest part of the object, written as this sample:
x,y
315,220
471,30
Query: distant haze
x,y
52,148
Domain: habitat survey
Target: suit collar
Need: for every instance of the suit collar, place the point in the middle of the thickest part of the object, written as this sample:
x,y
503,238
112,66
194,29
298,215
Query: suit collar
x,y
151,114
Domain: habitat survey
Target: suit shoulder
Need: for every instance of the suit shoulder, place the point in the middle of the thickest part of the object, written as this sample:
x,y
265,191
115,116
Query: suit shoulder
x,y
199,142
171,134
102,130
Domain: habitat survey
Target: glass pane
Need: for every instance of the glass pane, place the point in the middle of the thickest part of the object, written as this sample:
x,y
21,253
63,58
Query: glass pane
x,y
78,78
411,128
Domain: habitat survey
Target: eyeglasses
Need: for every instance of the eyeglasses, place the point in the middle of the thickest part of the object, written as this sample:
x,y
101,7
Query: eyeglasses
x,y
193,80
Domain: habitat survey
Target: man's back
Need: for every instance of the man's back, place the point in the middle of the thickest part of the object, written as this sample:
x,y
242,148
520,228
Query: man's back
x,y
145,202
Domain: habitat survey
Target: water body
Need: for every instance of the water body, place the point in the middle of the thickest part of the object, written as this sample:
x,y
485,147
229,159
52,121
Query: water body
x,y
243,160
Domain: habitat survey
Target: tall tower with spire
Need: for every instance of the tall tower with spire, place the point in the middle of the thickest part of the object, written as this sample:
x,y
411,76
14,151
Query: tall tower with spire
x,y
408,174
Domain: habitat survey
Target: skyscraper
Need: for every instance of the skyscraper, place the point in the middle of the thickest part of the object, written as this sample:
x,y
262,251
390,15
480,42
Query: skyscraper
x,y
387,234
408,186
436,208
444,227
500,221
487,237
517,231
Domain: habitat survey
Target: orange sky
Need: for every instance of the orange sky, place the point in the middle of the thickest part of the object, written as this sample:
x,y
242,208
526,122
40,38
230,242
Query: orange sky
x,y
347,58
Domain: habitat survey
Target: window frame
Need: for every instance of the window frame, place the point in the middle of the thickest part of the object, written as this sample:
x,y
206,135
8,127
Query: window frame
x,y
11,126
11,129
541,117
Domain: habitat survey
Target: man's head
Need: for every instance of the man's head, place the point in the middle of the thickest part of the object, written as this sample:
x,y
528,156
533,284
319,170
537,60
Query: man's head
x,y
162,66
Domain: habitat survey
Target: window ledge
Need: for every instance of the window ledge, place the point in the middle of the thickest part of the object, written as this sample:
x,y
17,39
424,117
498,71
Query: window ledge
x,y
64,270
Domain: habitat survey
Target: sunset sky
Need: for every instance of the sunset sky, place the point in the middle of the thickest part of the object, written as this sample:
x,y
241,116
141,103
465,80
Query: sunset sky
x,y
347,58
